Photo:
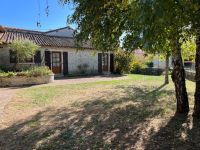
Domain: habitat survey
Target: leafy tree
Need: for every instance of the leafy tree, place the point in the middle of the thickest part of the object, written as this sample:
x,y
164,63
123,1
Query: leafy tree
x,y
192,10
148,24
23,50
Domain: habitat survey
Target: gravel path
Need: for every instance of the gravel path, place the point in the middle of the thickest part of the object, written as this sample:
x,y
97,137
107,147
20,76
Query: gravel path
x,y
87,79
77,80
6,95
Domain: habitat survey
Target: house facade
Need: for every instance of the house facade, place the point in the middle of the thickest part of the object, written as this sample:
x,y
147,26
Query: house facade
x,y
57,50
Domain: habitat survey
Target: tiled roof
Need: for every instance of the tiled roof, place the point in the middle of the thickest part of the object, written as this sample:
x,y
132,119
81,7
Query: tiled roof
x,y
8,35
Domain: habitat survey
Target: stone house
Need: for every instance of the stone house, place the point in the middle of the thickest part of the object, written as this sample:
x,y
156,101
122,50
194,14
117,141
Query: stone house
x,y
57,51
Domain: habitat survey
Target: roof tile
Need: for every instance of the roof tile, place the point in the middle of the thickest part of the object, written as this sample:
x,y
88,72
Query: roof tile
x,y
8,35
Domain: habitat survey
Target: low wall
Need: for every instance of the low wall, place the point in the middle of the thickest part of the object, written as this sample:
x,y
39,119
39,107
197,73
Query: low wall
x,y
190,75
23,81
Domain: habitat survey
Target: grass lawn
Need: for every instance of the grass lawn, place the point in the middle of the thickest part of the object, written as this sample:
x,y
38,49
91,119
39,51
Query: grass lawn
x,y
134,113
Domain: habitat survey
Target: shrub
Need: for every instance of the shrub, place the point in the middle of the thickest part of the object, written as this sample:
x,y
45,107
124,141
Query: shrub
x,y
5,69
32,72
39,71
23,49
7,74
122,61
83,68
136,66
149,64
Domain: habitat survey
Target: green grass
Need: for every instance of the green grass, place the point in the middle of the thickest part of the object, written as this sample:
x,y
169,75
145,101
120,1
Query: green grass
x,y
43,95
134,113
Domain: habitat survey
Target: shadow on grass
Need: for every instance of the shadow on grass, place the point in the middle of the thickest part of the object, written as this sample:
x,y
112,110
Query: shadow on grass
x,y
96,124
180,132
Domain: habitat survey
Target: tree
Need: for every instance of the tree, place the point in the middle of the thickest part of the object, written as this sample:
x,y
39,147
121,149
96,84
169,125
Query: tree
x,y
23,50
145,24
194,13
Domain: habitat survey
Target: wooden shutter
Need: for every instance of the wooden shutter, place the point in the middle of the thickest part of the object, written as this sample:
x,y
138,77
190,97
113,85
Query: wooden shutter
x,y
37,57
100,62
65,63
48,59
112,63
13,57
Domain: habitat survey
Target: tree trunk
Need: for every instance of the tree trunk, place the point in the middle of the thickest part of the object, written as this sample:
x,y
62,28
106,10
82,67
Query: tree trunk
x,y
196,112
167,68
178,77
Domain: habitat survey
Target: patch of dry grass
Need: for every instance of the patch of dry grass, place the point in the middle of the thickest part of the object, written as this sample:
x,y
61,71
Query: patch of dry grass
x,y
136,113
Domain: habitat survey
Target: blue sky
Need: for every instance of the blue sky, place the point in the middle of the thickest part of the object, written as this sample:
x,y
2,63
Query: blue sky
x,y
24,14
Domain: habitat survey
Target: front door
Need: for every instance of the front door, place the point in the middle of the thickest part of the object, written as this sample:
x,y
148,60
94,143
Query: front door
x,y
56,62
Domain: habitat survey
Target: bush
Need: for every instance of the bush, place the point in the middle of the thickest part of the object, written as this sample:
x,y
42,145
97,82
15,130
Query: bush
x,y
83,68
7,74
148,71
5,69
39,71
149,64
32,72
136,67
122,62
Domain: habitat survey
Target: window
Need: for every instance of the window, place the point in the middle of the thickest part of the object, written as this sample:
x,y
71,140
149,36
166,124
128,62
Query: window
x,y
56,59
105,59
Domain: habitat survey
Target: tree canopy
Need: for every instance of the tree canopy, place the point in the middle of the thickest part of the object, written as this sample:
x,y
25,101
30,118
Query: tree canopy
x,y
131,23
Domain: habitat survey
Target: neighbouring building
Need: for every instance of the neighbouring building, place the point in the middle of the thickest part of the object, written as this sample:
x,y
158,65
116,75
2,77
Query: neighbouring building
x,y
57,50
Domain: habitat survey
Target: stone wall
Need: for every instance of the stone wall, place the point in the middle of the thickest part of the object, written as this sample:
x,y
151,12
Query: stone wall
x,y
23,81
190,75
76,58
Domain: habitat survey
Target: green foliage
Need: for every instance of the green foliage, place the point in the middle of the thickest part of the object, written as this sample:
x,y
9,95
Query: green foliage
x,y
24,49
83,68
5,69
151,25
189,49
7,74
39,71
123,61
32,72
149,64
100,22
136,66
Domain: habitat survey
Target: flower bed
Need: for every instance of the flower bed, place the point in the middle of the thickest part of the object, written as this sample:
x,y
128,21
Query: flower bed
x,y
33,76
